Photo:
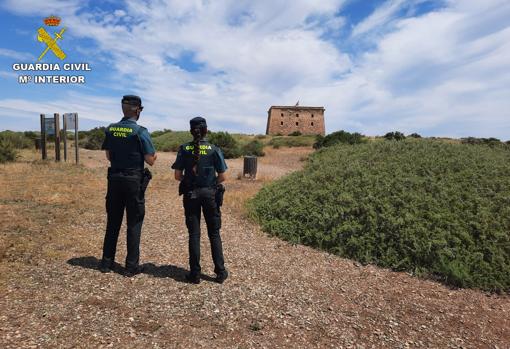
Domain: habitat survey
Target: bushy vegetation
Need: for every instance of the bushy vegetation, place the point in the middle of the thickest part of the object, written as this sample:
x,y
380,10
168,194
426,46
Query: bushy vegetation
x,y
478,141
414,135
93,139
254,147
8,152
171,140
395,136
160,132
338,137
295,133
291,141
435,209
18,140
228,144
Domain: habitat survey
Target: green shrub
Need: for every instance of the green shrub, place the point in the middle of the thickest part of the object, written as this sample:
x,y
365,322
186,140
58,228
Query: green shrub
x,y
160,132
171,140
477,141
295,133
32,135
295,141
431,208
254,147
94,138
414,135
227,143
82,135
395,136
8,152
338,137
18,140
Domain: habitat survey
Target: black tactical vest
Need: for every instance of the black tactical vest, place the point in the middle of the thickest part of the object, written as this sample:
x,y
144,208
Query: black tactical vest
x,y
125,145
206,175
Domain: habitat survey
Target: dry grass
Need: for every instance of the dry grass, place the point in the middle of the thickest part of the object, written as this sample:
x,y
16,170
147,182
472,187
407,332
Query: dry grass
x,y
39,200
276,163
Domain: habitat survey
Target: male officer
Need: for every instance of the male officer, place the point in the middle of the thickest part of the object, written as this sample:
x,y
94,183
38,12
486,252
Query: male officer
x,y
127,146
200,161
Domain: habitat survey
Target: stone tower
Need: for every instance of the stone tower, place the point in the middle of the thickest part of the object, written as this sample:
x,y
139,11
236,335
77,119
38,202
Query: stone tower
x,y
287,119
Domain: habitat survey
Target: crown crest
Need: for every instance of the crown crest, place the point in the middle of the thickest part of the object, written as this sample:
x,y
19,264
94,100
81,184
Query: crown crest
x,y
52,21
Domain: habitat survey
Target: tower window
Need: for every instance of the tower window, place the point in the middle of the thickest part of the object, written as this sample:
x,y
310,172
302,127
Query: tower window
x,y
281,123
312,123
297,123
297,115
282,114
312,115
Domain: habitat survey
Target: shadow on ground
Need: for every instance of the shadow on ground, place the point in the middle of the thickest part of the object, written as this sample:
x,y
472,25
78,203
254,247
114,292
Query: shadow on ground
x,y
159,271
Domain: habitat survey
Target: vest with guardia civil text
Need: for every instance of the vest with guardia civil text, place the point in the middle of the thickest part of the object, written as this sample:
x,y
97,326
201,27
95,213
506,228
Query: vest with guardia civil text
x,y
124,145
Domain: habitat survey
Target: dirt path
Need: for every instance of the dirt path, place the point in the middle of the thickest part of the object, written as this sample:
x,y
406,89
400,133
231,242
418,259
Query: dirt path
x,y
278,295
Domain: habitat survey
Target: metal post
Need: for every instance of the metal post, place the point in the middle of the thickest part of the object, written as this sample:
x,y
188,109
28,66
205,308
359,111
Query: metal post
x,y
43,137
57,137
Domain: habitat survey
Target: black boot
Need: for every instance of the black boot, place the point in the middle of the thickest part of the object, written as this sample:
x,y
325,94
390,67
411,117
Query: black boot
x,y
193,278
132,271
105,266
221,277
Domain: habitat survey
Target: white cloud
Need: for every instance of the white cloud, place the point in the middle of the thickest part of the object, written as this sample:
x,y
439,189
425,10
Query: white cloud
x,y
42,8
101,108
22,56
444,73
8,74
380,17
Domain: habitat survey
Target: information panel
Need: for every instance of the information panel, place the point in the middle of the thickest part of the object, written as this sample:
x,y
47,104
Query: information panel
x,y
70,119
49,126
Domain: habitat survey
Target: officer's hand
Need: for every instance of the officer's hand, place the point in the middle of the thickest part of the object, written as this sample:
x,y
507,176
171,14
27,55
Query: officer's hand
x,y
150,158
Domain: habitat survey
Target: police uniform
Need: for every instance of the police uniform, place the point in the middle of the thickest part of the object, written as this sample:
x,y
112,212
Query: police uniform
x,y
200,195
127,143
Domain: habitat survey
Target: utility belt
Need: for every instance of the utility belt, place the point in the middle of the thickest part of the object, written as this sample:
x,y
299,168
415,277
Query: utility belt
x,y
112,171
187,187
143,176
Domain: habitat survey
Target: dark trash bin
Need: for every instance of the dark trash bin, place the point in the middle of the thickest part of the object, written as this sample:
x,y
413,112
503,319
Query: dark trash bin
x,y
250,167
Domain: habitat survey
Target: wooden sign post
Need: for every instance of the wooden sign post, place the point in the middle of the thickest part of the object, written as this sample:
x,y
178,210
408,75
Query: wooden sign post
x,y
64,131
43,136
51,126
76,148
71,122
57,137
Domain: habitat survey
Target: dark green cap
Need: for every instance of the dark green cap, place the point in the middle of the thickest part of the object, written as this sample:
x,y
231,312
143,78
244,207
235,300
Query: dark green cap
x,y
197,122
132,100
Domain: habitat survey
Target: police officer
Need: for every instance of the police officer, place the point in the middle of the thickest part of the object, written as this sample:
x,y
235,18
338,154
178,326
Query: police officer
x,y
196,167
127,146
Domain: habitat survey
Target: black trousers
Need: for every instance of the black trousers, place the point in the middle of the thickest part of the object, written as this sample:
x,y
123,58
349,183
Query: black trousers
x,y
194,202
124,193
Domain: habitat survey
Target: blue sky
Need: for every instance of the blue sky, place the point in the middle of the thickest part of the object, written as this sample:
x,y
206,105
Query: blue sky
x,y
436,67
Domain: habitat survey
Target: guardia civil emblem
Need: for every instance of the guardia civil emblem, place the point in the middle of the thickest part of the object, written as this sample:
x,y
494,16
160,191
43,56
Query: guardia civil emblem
x,y
50,41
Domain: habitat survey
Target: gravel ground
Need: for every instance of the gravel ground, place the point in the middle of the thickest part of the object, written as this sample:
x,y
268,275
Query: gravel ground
x,y
278,294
